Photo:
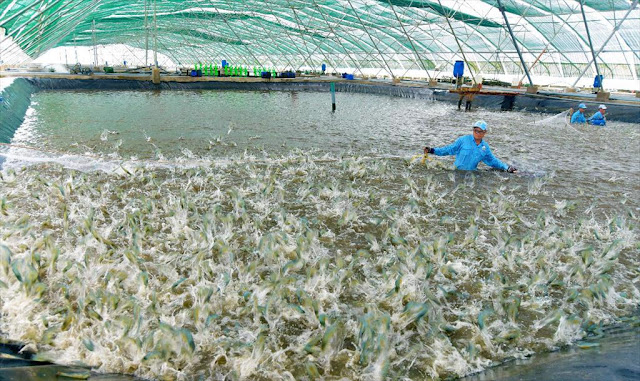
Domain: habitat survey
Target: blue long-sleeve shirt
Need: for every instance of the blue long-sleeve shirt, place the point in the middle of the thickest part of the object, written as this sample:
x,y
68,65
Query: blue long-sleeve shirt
x,y
469,154
598,119
578,117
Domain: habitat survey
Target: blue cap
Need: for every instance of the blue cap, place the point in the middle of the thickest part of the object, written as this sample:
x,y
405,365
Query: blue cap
x,y
582,105
481,124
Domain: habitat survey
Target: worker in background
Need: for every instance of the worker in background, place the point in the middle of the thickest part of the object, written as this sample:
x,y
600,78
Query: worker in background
x,y
598,119
471,150
578,116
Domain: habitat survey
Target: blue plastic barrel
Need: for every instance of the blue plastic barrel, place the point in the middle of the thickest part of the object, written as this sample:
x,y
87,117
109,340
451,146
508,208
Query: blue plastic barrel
x,y
597,81
458,69
349,76
324,67
224,63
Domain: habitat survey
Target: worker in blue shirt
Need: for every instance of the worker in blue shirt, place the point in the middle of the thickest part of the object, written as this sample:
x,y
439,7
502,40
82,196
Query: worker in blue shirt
x,y
598,119
578,116
471,150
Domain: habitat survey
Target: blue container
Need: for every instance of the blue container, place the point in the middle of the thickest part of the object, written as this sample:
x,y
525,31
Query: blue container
x,y
350,76
224,63
597,81
458,69
194,73
324,67
266,74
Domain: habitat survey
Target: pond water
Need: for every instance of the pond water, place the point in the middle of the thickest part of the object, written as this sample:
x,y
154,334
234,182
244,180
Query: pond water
x,y
259,235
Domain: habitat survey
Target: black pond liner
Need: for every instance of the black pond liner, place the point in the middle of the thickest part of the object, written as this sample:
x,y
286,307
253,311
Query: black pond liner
x,y
20,366
614,356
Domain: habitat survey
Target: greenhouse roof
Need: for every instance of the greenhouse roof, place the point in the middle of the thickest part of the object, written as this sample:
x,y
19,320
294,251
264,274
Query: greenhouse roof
x,y
392,36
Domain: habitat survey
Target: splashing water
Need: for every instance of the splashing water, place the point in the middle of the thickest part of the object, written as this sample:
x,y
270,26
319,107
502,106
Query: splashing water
x,y
307,264
162,271
553,120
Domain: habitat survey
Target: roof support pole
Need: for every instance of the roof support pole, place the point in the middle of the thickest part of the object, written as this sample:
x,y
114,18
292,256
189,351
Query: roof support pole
x,y
205,50
372,40
309,54
155,34
549,43
515,42
446,16
4,22
146,34
268,32
335,35
95,47
62,28
586,27
415,51
434,40
26,34
40,12
633,64
232,29
633,6
295,46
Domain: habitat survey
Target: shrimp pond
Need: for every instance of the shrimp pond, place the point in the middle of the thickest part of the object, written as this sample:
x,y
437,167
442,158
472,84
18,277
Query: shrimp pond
x,y
257,235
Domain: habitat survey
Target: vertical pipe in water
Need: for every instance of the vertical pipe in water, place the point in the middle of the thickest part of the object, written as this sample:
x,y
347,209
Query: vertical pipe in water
x,y
333,96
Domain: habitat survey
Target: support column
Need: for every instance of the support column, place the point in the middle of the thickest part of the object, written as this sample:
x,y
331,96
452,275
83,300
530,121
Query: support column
x,y
633,6
146,33
593,54
415,51
515,43
93,37
372,41
458,42
155,34
155,75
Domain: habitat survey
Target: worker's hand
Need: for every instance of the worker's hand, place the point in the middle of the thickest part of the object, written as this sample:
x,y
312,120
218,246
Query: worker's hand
x,y
512,169
428,150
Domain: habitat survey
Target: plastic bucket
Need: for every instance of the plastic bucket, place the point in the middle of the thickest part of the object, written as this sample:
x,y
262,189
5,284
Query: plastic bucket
x,y
597,81
458,69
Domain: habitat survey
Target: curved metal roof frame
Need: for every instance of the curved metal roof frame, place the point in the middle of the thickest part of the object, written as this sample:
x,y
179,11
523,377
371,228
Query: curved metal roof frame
x,y
392,37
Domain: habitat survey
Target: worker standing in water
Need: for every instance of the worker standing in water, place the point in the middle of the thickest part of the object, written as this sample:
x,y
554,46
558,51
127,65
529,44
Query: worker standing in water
x,y
470,150
578,116
598,119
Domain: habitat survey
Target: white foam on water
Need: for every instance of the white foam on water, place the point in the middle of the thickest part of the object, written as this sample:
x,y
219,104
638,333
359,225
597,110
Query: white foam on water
x,y
305,264
6,82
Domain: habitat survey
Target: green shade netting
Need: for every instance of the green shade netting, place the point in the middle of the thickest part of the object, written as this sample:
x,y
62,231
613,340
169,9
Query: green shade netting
x,y
385,34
